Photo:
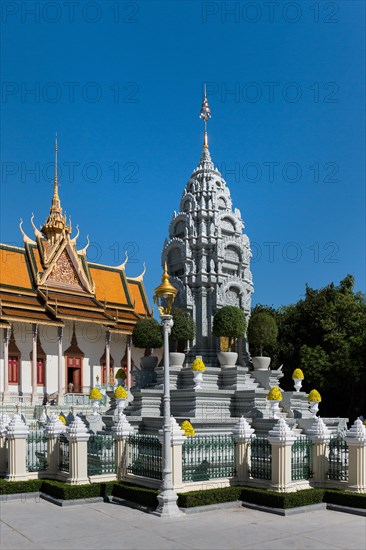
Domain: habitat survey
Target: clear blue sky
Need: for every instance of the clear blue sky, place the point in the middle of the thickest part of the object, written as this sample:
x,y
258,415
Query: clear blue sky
x,y
121,83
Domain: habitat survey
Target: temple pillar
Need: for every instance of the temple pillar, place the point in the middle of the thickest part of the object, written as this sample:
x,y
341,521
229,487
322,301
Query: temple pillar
x,y
34,364
129,353
60,386
107,356
6,364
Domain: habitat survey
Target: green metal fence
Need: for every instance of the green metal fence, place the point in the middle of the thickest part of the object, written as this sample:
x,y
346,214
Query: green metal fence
x,y
338,459
145,456
63,459
208,457
36,458
261,458
101,459
301,458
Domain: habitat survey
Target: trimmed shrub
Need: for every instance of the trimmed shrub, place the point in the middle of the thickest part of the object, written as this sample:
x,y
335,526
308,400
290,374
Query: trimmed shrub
x,y
147,334
230,322
59,489
135,493
16,487
262,331
210,496
345,498
282,500
184,328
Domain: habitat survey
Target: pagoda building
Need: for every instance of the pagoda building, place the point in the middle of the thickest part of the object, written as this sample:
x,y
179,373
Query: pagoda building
x,y
207,253
66,322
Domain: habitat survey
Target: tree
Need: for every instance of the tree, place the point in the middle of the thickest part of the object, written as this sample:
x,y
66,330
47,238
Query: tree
x,y
230,322
262,331
325,335
147,334
184,328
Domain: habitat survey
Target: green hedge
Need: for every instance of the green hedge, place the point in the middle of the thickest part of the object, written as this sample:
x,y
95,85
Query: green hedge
x,y
16,487
210,496
282,500
135,493
59,489
345,498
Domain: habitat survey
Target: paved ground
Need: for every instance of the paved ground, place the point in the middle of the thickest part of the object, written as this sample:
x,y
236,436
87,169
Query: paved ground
x,y
37,524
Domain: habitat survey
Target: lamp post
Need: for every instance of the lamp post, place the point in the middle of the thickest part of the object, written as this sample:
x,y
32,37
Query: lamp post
x,y
164,296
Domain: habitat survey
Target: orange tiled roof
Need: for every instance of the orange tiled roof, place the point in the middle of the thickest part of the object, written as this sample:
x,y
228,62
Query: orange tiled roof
x,y
13,268
137,297
108,284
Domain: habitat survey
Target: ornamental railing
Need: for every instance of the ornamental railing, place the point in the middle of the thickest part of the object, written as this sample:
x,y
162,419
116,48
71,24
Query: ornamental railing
x,y
145,456
101,458
338,459
63,457
36,458
301,453
207,457
261,458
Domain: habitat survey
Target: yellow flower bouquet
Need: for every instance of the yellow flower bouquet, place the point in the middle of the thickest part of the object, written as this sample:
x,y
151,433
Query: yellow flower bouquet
x,y
188,428
274,394
120,393
198,365
95,394
297,375
314,396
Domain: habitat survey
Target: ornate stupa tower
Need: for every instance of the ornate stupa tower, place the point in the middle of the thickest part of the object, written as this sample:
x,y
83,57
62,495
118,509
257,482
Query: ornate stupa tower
x,y
207,254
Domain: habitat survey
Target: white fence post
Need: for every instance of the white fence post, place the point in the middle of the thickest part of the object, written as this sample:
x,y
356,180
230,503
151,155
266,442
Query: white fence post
x,y
320,437
78,438
281,438
17,433
54,428
356,441
177,440
243,433
4,458
122,429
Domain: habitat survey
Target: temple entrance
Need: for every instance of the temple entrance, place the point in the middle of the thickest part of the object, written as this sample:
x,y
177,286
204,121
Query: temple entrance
x,y
73,374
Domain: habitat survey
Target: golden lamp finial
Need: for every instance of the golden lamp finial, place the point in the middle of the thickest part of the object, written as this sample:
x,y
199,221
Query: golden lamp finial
x,y
165,293
205,114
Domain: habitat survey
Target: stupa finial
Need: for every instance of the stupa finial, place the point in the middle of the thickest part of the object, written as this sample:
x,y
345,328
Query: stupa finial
x,y
205,114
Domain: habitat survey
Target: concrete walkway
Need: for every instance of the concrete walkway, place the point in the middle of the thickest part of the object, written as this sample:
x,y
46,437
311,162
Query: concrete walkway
x,y
37,524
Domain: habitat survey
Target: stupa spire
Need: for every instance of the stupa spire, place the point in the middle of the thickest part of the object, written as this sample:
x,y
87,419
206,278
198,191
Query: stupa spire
x,y
56,222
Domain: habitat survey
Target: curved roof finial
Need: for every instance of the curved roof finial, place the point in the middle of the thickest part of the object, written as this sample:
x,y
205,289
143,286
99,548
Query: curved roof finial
x,y
83,250
37,232
26,239
123,264
74,239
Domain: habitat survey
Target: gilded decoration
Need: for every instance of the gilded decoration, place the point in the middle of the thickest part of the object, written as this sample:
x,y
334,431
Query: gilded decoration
x,y
64,272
